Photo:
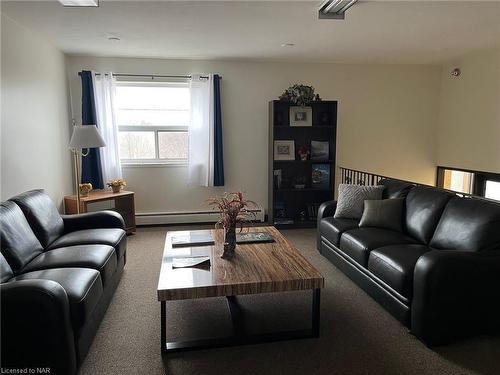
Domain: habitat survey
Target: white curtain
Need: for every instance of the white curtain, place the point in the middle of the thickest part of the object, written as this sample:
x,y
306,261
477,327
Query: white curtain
x,y
104,95
201,130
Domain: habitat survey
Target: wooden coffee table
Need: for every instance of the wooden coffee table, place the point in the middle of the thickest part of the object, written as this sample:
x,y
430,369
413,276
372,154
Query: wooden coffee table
x,y
255,268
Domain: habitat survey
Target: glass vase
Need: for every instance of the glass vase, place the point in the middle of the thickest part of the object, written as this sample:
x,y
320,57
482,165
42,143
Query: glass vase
x,y
229,242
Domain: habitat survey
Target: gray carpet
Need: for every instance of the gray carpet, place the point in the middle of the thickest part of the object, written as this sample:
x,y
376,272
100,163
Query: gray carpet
x,y
357,335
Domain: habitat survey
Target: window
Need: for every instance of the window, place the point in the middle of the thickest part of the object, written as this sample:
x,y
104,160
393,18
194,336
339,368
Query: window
x,y
492,190
482,184
153,120
458,181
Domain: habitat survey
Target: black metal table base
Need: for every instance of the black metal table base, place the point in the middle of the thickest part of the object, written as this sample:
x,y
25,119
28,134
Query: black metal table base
x,y
240,337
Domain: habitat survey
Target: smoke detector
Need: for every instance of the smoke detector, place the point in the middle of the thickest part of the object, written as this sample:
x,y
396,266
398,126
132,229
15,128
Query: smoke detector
x,y
456,72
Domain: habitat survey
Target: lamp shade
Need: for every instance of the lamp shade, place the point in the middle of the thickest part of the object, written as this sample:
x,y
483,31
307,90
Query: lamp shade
x,y
86,136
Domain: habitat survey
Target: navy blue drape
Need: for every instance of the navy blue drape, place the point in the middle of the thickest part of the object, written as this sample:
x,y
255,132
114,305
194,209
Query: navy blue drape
x,y
91,164
218,149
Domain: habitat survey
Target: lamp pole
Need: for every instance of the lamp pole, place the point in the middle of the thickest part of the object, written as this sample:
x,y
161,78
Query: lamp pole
x,y
76,160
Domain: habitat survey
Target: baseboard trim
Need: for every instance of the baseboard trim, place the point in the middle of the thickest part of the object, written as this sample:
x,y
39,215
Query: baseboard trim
x,y
161,218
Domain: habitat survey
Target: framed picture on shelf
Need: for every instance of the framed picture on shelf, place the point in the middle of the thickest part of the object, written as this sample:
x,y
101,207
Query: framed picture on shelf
x,y
284,150
320,176
300,116
320,150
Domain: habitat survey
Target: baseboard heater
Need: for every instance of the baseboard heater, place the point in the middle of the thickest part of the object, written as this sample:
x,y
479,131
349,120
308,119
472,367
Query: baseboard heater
x,y
186,217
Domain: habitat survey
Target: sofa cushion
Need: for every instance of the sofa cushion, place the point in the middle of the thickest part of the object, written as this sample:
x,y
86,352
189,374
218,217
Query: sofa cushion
x,y
106,236
424,207
468,224
351,200
5,270
98,257
395,188
41,214
395,265
383,213
332,228
357,243
82,285
19,244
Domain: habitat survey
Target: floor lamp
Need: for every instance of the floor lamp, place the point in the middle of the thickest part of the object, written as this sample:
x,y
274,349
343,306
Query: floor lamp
x,y
83,138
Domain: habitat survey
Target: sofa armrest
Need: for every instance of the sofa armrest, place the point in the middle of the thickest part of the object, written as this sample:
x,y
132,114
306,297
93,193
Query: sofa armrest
x,y
455,294
36,326
93,220
326,209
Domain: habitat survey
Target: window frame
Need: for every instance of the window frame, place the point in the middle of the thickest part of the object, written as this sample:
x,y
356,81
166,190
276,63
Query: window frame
x,y
479,179
156,129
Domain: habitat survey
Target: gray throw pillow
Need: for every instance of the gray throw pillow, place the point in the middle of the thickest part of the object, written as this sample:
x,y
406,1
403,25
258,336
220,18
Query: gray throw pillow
x,y
385,213
351,199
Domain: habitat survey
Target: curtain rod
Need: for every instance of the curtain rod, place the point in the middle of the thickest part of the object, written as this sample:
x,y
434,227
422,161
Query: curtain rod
x,y
149,75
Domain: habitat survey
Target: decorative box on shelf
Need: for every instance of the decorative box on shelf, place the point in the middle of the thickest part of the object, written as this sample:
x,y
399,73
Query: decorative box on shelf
x,y
97,200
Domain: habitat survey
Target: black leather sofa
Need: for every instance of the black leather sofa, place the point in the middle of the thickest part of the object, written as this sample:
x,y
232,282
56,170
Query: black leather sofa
x,y
58,275
440,277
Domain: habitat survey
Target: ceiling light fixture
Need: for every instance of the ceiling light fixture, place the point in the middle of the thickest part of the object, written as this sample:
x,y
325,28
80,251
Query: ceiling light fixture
x,y
113,38
335,9
79,3
287,44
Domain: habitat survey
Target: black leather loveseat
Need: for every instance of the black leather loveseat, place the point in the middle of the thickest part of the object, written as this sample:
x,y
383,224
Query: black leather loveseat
x,y
440,277
58,275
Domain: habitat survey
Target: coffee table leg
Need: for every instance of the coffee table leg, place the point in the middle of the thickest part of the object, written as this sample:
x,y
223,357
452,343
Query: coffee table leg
x,y
163,325
240,337
316,299
236,316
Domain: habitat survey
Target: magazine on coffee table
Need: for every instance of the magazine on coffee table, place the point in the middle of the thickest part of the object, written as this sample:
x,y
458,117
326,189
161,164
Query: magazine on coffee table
x,y
200,262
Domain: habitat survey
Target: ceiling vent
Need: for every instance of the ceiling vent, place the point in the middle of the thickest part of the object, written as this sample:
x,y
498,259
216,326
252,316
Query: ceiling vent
x,y
335,9
79,3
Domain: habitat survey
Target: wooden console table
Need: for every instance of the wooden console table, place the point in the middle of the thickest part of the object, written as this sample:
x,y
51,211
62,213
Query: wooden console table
x,y
124,204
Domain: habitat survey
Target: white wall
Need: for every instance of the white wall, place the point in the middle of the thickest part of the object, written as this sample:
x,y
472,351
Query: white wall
x,y
469,120
396,120
34,122
386,121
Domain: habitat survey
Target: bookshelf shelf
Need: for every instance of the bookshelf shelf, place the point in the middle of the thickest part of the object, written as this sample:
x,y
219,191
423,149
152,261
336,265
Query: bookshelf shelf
x,y
304,161
301,189
297,224
291,207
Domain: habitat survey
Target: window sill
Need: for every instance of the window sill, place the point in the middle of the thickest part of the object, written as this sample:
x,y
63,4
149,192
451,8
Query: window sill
x,y
153,164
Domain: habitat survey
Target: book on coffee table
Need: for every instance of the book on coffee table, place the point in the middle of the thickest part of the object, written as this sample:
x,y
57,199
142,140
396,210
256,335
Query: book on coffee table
x,y
254,237
192,239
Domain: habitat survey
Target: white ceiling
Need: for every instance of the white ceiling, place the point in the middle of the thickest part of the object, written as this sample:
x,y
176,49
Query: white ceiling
x,y
373,31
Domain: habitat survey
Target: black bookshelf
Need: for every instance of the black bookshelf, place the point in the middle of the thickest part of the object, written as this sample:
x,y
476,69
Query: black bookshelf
x,y
294,196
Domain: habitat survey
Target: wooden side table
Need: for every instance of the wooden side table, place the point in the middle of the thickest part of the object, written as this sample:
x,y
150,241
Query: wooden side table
x,y
124,204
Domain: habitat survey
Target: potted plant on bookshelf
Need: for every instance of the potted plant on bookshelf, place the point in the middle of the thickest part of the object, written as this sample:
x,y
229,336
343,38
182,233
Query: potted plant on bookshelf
x,y
303,152
298,94
233,211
